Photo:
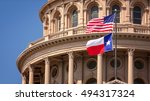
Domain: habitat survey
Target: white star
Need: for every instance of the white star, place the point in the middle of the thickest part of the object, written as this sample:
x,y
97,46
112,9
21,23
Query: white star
x,y
108,42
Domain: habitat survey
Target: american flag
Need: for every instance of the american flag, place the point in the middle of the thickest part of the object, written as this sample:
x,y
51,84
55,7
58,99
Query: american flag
x,y
104,24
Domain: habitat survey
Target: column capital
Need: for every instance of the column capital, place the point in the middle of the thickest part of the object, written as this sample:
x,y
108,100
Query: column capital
x,y
23,75
107,7
47,60
70,54
31,68
131,51
100,55
23,79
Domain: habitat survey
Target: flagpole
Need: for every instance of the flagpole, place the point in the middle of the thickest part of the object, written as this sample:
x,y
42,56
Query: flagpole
x,y
115,44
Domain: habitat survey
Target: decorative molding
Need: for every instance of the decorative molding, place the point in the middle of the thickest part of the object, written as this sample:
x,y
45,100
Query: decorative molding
x,y
131,51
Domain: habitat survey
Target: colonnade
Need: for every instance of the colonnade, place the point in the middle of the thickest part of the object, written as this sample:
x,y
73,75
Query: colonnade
x,y
71,69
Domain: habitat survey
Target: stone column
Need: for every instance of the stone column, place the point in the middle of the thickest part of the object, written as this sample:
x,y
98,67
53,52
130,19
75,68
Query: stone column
x,y
99,69
130,66
31,74
47,71
71,67
149,69
23,79
104,68
149,15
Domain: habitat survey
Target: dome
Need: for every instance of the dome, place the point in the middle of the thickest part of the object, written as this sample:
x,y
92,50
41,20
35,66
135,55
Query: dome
x,y
60,56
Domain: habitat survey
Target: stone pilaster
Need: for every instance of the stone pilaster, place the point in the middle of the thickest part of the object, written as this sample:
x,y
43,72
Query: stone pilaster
x,y
107,10
130,66
63,17
47,71
99,69
104,8
49,26
131,14
66,22
71,67
81,19
85,16
128,15
31,74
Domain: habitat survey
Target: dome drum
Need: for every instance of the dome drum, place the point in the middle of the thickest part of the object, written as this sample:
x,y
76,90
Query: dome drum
x,y
60,56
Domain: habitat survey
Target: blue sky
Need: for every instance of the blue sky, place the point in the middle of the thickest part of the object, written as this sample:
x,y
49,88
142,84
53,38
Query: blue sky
x,y
19,25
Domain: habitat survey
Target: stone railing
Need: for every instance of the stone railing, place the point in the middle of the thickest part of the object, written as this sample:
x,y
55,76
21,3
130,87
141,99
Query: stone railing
x,y
121,28
37,42
142,29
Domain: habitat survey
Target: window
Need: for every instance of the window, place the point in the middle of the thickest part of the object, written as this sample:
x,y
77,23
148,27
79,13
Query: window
x,y
138,81
139,64
74,18
59,23
93,12
118,12
91,81
112,63
113,78
137,15
54,71
91,64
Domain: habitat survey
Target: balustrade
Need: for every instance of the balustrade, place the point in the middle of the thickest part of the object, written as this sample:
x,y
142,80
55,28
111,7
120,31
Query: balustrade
x,y
121,28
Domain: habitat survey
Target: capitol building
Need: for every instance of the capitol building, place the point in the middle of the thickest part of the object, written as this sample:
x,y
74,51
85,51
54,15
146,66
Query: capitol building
x,y
60,56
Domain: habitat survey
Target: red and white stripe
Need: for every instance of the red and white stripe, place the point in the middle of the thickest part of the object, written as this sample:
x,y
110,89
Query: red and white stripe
x,y
98,25
95,46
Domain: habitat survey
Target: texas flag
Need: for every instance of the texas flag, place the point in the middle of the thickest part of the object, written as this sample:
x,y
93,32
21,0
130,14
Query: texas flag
x,y
100,45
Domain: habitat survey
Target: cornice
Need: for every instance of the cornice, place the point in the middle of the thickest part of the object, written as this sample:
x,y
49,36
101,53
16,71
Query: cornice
x,y
74,38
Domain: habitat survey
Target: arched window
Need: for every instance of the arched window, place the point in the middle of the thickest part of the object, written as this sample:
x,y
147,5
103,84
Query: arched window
x,y
57,22
93,12
137,15
118,12
138,81
91,81
113,78
74,18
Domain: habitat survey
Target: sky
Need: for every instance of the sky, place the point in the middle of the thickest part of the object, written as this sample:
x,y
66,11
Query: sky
x,y
19,25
